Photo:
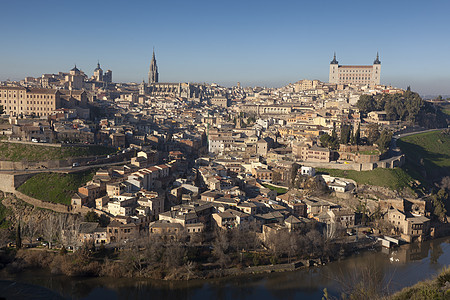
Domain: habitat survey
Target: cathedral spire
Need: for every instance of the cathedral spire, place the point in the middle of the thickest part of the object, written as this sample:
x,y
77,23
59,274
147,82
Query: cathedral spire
x,y
153,72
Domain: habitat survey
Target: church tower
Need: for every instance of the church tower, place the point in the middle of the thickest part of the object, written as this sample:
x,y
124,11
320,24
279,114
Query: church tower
x,y
153,72
98,73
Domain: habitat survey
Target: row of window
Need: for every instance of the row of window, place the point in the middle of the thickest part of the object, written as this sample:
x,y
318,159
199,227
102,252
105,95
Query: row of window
x,y
29,102
33,96
28,108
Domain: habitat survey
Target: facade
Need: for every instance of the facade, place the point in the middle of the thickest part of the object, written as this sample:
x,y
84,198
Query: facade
x,y
311,153
361,75
98,73
29,101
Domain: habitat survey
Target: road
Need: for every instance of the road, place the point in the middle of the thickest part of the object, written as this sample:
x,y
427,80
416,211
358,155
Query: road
x,y
66,169
394,150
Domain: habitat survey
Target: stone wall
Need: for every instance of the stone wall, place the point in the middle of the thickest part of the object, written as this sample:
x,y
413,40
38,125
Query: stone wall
x,y
33,144
7,183
43,204
390,163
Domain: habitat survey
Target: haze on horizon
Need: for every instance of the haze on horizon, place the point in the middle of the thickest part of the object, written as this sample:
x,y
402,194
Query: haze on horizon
x,y
256,42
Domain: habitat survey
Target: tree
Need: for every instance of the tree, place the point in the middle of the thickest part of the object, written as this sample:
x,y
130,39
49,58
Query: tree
x,y
325,140
276,176
372,133
438,201
294,172
31,228
352,137
220,247
18,237
358,134
2,111
333,132
366,104
384,140
91,216
4,237
345,133
49,228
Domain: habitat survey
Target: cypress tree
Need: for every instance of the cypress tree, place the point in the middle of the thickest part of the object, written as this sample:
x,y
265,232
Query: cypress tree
x,y
18,237
358,134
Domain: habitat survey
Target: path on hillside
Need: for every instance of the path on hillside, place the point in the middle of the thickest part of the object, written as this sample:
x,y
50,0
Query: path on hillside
x,y
394,150
66,169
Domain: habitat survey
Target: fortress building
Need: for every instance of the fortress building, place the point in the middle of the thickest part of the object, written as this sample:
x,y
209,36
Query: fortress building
x,y
361,75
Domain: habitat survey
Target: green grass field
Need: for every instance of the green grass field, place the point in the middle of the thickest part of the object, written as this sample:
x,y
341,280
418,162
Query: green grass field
x,y
427,155
21,152
55,187
396,179
4,212
445,108
276,189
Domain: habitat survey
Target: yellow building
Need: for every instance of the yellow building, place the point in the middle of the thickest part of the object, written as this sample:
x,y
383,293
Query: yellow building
x,y
29,101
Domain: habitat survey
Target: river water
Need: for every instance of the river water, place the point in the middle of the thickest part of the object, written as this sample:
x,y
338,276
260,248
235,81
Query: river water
x,y
385,270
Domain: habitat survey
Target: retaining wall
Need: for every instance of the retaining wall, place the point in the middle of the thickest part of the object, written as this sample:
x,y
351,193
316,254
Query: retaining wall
x,y
42,204
390,163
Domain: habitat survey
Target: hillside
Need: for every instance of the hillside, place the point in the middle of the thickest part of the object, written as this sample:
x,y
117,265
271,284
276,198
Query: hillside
x,y
427,155
438,288
55,187
395,179
21,152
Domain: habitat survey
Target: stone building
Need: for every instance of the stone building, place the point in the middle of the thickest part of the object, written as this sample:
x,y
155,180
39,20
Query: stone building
x,y
362,75
29,101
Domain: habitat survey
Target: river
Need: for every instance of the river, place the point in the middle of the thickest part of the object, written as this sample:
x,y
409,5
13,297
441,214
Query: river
x,y
388,270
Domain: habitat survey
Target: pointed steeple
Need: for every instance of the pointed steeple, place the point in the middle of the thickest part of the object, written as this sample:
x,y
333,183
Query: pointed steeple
x,y
153,72
98,66
334,61
75,69
377,60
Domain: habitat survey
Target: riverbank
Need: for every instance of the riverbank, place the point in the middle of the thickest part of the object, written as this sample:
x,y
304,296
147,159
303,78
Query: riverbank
x,y
409,264
436,288
102,262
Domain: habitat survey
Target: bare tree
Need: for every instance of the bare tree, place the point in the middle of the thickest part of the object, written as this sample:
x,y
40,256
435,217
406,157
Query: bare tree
x,y
330,231
69,227
31,228
50,228
220,247
4,237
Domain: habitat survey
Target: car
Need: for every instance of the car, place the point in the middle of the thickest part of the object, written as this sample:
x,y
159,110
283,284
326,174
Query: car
x,y
75,164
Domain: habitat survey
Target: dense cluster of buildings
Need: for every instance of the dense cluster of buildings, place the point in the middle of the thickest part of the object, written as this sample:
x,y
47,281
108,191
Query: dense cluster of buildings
x,y
205,154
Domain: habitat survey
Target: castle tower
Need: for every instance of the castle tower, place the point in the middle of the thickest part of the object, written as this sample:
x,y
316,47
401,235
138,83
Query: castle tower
x,y
334,72
376,70
153,72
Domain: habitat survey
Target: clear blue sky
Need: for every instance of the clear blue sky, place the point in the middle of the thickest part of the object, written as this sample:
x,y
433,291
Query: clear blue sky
x,y
267,43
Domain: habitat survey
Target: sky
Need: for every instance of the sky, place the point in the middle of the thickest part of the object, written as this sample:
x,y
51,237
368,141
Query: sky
x,y
256,43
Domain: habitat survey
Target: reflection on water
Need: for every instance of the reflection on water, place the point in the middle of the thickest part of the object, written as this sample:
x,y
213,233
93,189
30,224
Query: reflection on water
x,y
391,270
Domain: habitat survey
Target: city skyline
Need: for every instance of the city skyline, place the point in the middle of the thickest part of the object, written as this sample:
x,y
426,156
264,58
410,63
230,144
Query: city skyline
x,y
255,43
